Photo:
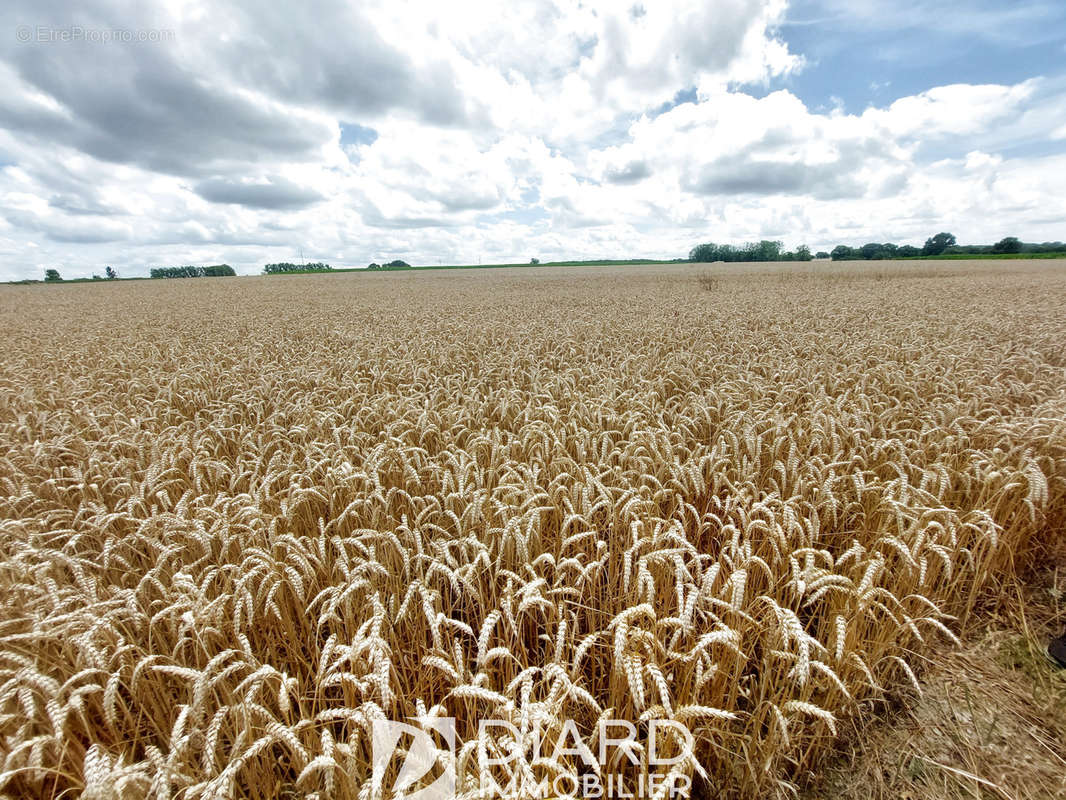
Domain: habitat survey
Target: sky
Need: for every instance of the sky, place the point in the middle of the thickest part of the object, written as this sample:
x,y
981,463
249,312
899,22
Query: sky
x,y
139,134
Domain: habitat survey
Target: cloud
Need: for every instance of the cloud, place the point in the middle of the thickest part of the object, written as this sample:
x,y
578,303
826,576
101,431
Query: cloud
x,y
83,205
988,20
375,218
82,235
633,172
149,111
64,229
469,200
275,193
431,131
333,55
730,177
954,110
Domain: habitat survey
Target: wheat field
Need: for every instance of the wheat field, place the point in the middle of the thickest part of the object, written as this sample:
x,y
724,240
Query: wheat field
x,y
242,519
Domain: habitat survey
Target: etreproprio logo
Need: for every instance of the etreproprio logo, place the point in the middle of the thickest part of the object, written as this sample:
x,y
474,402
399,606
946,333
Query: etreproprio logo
x,y
422,752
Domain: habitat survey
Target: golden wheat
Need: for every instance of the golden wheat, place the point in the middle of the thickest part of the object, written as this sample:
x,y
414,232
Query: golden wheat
x,y
241,520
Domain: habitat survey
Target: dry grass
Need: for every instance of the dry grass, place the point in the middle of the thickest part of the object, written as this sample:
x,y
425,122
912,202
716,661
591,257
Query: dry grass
x,y
242,519
990,721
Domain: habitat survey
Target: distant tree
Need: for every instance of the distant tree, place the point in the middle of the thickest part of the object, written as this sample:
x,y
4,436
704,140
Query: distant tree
x,y
1044,247
821,254
374,265
110,273
534,261
871,250
942,244
52,276
767,250
286,266
935,245
219,271
703,253
189,271
1010,244
397,264
97,277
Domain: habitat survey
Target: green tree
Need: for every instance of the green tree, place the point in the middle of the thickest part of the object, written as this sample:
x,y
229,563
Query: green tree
x,y
1010,244
534,261
286,266
703,253
842,253
821,254
52,276
110,273
767,250
219,271
187,271
935,245
871,250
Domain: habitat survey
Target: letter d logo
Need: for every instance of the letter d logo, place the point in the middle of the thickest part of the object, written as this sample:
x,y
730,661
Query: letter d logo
x,y
419,758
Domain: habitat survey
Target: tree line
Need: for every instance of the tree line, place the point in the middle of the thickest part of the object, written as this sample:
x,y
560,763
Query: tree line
x,y
942,244
765,250
397,264
188,271
285,266
53,276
